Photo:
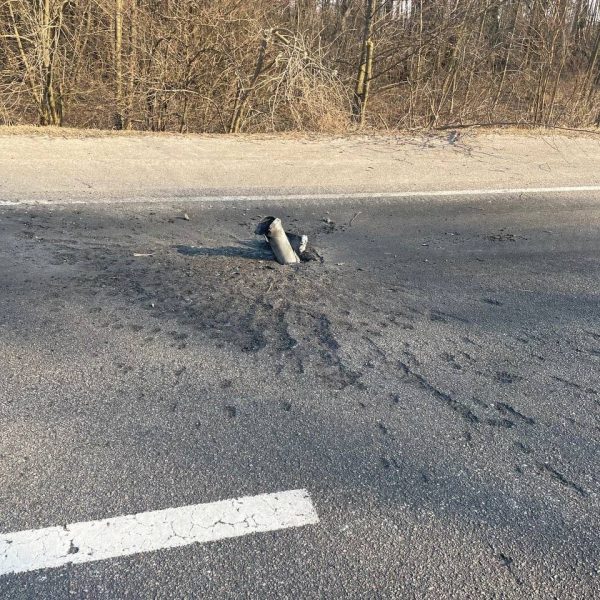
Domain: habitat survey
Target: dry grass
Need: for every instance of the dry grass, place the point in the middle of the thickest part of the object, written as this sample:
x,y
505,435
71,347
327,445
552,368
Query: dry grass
x,y
367,135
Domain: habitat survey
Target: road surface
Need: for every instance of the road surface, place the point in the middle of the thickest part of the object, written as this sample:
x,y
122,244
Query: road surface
x,y
432,389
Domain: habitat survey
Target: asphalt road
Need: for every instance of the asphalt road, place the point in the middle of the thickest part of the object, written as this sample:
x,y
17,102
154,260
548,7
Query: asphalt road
x,y
434,384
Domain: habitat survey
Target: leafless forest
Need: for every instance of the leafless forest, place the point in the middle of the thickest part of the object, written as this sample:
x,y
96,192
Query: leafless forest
x,y
311,65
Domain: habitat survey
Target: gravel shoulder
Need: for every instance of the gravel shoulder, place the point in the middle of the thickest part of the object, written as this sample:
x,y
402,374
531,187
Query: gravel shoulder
x,y
55,168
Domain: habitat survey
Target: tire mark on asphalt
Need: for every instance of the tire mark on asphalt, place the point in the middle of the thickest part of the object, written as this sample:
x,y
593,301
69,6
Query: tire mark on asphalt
x,y
560,478
507,409
456,406
574,385
545,468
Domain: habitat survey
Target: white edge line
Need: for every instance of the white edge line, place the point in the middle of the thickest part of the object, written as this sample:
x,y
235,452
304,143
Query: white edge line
x,y
312,196
77,543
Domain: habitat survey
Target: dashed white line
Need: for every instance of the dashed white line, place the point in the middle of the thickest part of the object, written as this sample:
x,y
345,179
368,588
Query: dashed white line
x,y
293,197
77,543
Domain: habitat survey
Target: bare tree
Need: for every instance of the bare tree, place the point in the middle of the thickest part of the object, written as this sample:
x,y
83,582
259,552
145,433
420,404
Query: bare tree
x,y
365,66
323,65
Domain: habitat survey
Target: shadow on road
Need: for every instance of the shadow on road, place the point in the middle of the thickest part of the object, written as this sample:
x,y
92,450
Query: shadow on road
x,y
250,250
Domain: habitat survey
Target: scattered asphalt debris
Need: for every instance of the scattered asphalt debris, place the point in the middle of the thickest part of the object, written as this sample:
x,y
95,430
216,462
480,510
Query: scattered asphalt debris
x,y
502,236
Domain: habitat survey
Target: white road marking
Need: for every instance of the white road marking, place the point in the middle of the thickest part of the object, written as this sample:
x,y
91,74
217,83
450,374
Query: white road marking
x,y
293,197
52,547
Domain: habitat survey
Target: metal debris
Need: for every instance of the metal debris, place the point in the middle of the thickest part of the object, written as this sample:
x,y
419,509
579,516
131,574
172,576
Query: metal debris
x,y
289,248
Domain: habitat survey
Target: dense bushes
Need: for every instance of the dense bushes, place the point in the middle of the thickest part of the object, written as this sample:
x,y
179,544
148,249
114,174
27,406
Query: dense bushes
x,y
321,65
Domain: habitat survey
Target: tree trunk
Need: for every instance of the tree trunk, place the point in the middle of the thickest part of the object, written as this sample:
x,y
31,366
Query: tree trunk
x,y
119,113
243,93
51,110
365,67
